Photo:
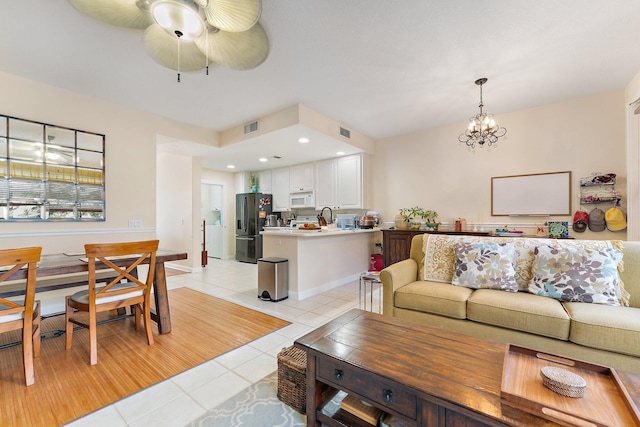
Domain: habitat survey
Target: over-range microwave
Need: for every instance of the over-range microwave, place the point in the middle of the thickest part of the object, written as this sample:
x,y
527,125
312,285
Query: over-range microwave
x,y
302,200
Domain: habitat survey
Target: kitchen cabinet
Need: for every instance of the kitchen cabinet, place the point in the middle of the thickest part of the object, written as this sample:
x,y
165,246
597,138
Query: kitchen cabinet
x,y
325,187
264,182
349,182
280,189
242,182
216,197
339,183
301,178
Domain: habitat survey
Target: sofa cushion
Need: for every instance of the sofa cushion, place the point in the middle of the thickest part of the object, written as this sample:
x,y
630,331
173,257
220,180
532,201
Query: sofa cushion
x,y
485,265
576,274
439,257
520,311
605,327
435,298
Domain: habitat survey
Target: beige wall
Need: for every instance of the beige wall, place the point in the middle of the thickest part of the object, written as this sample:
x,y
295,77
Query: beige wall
x,y
174,199
432,170
130,163
426,168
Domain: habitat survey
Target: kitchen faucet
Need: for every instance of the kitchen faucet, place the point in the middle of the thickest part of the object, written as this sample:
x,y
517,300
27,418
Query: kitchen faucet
x,y
330,214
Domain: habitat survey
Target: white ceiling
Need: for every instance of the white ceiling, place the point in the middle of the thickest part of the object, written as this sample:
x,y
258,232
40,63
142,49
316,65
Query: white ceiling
x,y
381,67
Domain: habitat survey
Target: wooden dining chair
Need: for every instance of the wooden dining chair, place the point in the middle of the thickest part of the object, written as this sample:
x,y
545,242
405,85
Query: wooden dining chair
x,y
26,316
123,291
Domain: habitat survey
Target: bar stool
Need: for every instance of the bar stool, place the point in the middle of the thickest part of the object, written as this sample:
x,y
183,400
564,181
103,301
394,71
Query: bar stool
x,y
370,278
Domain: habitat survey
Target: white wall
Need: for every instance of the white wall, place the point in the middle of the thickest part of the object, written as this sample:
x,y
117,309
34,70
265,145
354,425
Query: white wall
x,y
174,200
432,170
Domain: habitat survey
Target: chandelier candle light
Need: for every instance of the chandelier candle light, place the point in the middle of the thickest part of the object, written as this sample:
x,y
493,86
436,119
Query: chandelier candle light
x,y
482,128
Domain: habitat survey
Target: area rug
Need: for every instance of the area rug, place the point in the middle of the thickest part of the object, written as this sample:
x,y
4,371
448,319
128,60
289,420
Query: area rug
x,y
68,387
255,406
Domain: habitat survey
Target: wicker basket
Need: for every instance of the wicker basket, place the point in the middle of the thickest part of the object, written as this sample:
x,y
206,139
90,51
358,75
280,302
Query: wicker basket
x,y
563,382
292,373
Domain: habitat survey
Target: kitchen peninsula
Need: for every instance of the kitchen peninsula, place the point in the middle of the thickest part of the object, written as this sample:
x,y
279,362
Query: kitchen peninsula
x,y
320,260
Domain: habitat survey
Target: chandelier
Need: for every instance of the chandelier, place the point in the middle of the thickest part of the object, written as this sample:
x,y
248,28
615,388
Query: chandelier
x,y
482,128
190,35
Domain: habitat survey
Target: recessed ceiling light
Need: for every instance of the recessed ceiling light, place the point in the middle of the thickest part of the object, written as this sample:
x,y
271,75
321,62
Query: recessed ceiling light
x,y
303,140
340,153
231,167
262,159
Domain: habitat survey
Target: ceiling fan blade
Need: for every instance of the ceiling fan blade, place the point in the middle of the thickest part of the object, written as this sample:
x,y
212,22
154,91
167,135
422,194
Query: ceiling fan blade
x,y
233,15
163,48
240,51
122,13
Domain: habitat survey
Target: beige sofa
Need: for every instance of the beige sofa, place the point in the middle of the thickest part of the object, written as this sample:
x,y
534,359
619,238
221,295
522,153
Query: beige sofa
x,y
598,333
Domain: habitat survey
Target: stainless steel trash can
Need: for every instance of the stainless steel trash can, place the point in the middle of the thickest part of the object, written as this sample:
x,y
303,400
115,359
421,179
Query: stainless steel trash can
x,y
273,279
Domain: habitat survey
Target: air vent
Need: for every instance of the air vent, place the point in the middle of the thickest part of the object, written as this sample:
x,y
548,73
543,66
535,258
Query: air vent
x,y
345,132
251,127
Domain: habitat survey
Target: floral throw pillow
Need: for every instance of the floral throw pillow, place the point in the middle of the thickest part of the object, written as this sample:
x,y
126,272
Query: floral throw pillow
x,y
576,275
485,265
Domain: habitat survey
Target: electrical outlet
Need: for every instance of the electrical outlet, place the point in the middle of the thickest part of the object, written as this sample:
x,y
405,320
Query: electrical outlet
x,y
135,223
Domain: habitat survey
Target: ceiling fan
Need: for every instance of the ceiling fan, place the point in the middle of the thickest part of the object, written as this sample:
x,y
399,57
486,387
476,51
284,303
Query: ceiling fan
x,y
189,35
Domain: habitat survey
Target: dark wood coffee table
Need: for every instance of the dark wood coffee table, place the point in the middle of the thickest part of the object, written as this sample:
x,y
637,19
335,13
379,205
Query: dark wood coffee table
x,y
424,375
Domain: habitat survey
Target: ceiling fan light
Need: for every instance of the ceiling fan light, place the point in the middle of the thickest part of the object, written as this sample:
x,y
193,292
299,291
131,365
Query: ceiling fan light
x,y
176,15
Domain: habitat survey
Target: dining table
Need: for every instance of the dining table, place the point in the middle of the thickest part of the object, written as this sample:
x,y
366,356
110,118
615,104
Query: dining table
x,y
61,271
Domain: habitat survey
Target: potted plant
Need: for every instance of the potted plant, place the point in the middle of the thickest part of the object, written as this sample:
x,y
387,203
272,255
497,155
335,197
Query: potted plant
x,y
402,219
253,182
430,219
406,218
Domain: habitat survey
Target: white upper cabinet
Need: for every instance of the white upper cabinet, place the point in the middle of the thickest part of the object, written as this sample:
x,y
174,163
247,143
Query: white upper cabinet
x,y
216,197
280,189
325,187
242,182
264,182
339,183
349,182
301,178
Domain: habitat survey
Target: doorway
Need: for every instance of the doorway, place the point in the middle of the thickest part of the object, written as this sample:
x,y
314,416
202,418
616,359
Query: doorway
x,y
211,215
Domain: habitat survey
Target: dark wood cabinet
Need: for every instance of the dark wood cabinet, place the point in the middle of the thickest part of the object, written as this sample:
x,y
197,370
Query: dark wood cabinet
x,y
396,245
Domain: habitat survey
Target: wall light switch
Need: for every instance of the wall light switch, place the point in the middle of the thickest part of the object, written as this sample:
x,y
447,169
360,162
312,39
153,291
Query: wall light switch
x,y
135,223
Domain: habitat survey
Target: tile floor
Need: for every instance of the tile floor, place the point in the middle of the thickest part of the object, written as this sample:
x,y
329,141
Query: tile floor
x,y
184,397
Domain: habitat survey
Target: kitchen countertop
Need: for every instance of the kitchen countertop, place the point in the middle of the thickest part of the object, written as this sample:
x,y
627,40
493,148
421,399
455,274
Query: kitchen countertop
x,y
317,232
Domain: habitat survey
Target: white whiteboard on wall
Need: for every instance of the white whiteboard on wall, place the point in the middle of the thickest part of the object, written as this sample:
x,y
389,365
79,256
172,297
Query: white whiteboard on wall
x,y
536,194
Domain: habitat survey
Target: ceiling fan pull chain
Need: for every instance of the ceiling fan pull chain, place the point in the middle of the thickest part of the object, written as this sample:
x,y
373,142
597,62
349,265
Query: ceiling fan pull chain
x,y
178,34
207,51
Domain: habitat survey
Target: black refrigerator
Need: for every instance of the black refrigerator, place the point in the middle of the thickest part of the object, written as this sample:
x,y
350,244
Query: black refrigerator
x,y
252,210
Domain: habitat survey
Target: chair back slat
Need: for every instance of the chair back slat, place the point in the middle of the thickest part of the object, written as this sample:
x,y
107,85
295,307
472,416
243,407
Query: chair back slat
x,y
109,254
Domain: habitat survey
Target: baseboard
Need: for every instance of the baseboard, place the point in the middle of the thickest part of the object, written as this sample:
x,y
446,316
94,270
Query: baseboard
x,y
182,267
323,288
